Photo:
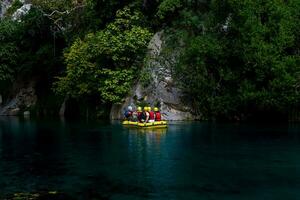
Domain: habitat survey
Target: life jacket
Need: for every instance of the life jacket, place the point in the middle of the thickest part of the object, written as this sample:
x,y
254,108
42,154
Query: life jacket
x,y
157,116
151,115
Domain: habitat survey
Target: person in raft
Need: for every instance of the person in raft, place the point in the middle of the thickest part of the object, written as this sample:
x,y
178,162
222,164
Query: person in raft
x,y
128,113
134,116
157,114
151,115
139,114
145,115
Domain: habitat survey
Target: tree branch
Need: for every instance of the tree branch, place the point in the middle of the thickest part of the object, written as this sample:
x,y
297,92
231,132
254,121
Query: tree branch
x,y
63,12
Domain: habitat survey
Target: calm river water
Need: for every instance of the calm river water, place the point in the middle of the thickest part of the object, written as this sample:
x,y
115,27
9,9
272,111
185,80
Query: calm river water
x,y
186,161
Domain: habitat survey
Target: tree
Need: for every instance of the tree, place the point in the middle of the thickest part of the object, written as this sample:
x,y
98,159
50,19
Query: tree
x,y
105,62
246,58
8,49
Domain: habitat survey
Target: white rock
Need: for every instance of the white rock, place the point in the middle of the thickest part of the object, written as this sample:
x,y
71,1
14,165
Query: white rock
x,y
21,12
4,5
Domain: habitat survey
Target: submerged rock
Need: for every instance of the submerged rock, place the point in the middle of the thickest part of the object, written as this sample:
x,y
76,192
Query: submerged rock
x,y
160,89
42,195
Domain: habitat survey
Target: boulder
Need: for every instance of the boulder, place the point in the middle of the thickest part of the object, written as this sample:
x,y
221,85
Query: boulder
x,y
24,99
13,112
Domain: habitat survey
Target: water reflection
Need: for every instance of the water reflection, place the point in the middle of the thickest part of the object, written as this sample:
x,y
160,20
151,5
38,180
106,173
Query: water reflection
x,y
151,136
184,161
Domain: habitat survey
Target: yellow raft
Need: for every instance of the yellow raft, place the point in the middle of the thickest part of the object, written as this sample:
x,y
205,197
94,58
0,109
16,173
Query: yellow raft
x,y
159,124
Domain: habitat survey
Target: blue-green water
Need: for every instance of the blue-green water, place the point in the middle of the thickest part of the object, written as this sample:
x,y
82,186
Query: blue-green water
x,y
186,161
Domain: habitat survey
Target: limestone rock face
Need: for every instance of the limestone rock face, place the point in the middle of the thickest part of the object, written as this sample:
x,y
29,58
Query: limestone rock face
x,y
4,5
21,12
160,89
24,99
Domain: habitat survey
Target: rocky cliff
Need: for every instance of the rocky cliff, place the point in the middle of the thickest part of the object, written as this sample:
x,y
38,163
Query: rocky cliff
x,y
23,10
22,97
160,89
4,5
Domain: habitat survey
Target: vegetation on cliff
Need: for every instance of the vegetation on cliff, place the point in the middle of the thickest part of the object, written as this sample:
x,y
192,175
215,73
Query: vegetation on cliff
x,y
241,58
237,58
107,61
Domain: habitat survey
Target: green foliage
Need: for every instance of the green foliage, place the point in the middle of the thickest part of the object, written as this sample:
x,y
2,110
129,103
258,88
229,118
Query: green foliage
x,y
77,18
104,62
16,4
174,10
27,50
145,78
199,78
143,104
59,5
168,6
8,49
115,84
236,57
39,48
103,12
66,16
246,58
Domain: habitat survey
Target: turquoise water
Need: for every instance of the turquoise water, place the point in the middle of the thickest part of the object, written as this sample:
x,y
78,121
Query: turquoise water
x,y
186,161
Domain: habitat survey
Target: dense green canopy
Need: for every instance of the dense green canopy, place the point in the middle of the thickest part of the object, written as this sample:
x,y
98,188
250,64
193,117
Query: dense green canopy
x,y
243,59
237,58
105,61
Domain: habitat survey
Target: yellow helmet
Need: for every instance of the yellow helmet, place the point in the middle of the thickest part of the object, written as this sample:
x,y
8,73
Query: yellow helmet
x,y
145,108
155,109
149,108
139,109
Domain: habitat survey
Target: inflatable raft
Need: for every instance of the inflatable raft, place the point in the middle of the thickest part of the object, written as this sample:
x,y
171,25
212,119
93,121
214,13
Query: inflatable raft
x,y
159,124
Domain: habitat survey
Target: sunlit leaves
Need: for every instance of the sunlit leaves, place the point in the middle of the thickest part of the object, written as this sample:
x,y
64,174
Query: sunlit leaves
x,y
104,62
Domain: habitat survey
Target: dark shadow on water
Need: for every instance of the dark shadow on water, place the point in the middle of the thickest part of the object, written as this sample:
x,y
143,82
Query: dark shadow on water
x,y
193,160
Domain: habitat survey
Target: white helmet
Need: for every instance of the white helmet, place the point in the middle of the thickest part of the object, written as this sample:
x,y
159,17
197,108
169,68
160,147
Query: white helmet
x,y
129,108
